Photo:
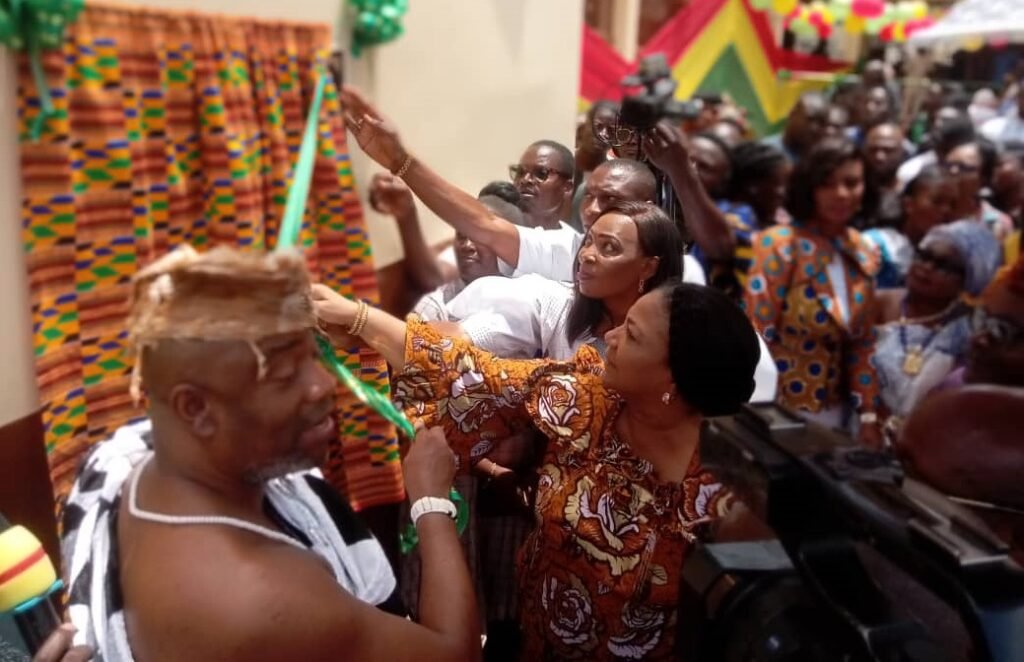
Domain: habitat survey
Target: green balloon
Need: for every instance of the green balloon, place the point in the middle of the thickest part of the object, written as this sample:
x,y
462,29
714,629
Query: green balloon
x,y
761,5
803,28
840,10
875,25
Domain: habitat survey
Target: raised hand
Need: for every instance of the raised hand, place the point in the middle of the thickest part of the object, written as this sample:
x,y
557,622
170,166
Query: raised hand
x,y
389,195
666,146
375,133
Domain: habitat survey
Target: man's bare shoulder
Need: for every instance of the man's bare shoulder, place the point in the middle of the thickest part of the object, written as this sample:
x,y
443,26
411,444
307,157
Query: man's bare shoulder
x,y
208,593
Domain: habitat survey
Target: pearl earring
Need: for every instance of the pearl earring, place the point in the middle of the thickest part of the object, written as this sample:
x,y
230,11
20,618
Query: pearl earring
x,y
666,398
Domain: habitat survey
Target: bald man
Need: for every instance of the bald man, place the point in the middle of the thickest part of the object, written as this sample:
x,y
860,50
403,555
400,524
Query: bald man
x,y
200,534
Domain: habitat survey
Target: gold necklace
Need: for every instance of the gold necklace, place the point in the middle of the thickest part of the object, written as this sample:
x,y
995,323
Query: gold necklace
x,y
913,360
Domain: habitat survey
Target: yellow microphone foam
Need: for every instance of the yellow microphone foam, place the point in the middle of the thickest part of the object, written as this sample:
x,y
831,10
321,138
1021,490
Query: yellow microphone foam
x,y
25,570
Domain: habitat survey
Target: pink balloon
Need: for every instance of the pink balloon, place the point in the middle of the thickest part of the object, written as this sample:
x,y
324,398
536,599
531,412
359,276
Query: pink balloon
x,y
868,8
919,24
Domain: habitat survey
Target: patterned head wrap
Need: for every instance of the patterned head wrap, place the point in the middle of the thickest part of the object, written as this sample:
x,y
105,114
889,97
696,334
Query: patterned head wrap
x,y
977,246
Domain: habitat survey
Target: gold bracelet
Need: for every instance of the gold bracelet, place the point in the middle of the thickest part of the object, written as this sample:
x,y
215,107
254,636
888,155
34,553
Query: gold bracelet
x,y
404,168
359,324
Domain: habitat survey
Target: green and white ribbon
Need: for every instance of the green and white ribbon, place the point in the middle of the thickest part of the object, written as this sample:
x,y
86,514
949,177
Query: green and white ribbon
x,y
288,238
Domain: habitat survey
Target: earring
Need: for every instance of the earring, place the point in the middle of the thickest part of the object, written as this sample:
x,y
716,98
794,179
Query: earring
x,y
666,398
641,288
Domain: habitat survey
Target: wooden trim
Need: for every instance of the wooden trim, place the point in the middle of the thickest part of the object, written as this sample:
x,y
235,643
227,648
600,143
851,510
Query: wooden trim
x,y
26,493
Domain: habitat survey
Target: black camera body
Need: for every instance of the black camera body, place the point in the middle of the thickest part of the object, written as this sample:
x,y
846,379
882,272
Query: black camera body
x,y
867,564
656,100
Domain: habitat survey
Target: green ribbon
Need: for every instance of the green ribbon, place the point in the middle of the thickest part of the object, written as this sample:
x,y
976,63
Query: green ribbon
x,y
33,25
376,22
287,238
295,206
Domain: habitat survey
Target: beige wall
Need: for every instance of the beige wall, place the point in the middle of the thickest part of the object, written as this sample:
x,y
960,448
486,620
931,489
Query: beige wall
x,y
470,84
18,395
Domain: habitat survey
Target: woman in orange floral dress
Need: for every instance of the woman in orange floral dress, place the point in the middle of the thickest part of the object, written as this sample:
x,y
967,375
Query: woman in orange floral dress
x,y
622,495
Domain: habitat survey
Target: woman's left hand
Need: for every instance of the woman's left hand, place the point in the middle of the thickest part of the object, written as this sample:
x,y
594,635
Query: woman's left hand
x,y
332,308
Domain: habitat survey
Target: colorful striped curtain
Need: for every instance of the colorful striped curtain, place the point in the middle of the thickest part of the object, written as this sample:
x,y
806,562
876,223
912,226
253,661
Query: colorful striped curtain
x,y
174,128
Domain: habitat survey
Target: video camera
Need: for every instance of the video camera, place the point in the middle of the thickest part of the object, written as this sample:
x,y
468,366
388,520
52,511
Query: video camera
x,y
867,564
642,109
639,112
656,100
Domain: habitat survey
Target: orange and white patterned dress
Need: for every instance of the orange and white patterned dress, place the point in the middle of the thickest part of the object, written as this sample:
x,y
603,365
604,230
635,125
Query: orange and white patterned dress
x,y
599,576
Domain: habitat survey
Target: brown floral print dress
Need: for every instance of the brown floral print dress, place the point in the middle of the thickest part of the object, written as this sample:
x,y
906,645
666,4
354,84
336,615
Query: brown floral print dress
x,y
599,575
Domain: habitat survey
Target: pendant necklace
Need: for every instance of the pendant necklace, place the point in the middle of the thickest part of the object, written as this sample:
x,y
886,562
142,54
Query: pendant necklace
x,y
913,355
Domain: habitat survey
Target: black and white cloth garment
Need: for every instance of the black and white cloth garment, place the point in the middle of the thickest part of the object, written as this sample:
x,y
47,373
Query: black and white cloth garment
x,y
307,508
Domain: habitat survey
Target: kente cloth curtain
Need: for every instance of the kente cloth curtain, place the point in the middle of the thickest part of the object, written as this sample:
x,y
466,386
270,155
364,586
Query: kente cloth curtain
x,y
170,129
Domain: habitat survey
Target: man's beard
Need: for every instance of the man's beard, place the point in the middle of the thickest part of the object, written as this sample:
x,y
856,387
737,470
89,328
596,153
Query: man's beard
x,y
279,468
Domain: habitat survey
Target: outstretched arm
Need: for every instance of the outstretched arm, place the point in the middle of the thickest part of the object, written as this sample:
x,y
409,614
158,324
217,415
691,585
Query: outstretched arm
x,y
666,146
379,139
440,380
389,195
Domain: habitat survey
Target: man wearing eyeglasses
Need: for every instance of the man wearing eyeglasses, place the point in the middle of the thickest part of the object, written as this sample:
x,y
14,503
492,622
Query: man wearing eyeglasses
x,y
544,177
530,250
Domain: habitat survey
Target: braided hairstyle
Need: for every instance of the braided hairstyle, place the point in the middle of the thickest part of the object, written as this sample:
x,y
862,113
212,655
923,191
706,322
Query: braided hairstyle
x,y
712,349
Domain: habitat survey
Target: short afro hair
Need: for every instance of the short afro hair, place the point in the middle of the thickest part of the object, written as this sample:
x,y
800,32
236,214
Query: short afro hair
x,y
567,161
713,349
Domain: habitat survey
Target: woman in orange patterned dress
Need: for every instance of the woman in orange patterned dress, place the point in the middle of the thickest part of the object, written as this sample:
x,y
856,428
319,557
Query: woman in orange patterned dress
x,y
622,495
811,292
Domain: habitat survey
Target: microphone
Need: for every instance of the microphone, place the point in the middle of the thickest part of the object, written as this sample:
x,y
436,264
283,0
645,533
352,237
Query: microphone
x,y
27,582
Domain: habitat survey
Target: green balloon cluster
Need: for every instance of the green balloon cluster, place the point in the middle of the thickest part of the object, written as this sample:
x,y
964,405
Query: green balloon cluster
x,y
33,25
376,22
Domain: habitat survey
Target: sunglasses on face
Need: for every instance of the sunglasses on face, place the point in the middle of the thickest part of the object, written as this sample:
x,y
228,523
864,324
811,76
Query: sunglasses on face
x,y
999,329
943,264
539,174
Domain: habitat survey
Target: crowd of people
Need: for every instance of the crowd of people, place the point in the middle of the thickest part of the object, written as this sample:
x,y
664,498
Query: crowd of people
x,y
563,357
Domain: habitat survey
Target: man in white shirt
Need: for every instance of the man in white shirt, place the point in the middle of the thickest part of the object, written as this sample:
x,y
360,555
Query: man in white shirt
x,y
473,262
544,178
548,253
551,253
1009,128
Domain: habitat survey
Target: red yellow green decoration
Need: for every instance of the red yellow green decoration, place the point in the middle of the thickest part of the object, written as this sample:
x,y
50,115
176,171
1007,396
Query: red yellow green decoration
x,y
721,46
890,21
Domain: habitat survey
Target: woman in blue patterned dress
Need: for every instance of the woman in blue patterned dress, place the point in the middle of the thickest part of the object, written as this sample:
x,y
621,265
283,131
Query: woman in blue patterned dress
x,y
924,329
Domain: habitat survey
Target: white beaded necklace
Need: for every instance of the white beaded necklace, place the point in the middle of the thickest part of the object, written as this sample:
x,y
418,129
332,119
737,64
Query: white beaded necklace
x,y
182,520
